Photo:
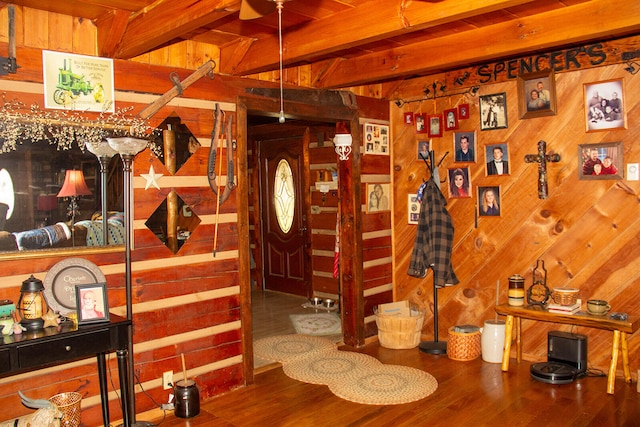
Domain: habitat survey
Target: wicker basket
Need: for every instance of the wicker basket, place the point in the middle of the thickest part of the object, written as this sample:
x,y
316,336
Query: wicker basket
x,y
463,346
69,405
400,332
565,296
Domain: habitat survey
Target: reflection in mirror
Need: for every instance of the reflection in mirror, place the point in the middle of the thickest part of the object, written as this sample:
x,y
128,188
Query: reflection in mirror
x,y
176,137
49,212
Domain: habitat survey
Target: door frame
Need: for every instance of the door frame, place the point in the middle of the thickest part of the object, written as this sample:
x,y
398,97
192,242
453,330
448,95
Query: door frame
x,y
351,258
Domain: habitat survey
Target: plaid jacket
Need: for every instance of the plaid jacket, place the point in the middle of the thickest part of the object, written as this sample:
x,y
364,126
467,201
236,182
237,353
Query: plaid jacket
x,y
434,239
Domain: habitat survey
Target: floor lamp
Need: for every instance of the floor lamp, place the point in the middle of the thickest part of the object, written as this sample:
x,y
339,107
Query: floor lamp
x,y
128,147
104,153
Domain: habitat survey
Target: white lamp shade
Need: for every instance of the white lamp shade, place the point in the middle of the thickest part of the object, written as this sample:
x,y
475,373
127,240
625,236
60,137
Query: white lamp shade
x,y
127,146
342,143
100,149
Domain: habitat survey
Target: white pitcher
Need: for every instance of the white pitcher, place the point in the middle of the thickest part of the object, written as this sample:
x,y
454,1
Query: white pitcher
x,y
492,341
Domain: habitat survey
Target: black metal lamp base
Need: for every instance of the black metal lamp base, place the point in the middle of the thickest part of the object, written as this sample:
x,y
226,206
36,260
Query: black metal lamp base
x,y
433,347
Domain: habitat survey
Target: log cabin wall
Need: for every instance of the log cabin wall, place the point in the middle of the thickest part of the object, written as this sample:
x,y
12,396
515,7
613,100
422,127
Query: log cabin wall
x,y
586,231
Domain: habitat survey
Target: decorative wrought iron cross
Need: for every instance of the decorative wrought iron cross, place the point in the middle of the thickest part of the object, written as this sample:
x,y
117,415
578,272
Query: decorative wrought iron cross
x,y
541,159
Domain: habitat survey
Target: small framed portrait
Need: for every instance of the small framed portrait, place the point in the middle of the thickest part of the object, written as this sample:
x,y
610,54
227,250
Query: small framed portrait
x,y
378,197
537,94
600,161
604,105
459,183
408,118
464,147
435,126
497,156
420,121
413,209
451,119
493,111
463,111
423,150
92,303
489,202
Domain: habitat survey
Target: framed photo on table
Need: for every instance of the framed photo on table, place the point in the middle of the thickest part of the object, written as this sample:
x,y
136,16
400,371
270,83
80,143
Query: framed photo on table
x,y
92,303
537,94
493,111
604,105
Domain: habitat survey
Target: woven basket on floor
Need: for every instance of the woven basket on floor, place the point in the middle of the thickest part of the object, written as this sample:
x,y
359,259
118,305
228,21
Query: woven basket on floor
x,y
399,332
69,405
463,346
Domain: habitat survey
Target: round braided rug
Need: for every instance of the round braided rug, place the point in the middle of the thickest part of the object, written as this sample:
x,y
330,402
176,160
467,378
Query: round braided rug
x,y
386,385
285,348
331,366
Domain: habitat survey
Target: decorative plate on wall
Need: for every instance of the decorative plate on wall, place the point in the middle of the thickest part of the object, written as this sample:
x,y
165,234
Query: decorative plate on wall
x,y
60,282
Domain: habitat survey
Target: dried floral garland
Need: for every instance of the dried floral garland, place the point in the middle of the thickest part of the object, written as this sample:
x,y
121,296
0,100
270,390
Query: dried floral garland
x,y
19,123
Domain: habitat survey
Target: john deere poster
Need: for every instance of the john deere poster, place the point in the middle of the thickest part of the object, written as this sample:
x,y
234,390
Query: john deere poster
x,y
78,82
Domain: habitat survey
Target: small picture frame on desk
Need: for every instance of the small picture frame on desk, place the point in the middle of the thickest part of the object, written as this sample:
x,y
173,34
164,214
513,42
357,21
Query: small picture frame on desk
x,y
92,303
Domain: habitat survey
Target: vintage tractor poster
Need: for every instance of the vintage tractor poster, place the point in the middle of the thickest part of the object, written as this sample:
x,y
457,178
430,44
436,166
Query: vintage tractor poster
x,y
78,82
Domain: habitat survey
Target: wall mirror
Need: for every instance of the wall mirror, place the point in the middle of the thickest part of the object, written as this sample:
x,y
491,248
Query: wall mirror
x,y
52,199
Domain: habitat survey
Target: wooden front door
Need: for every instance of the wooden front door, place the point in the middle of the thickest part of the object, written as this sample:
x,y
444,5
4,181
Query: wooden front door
x,y
285,238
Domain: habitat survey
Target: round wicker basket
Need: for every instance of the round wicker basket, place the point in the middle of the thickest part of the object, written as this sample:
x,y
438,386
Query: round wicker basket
x,y
463,346
565,296
69,404
399,332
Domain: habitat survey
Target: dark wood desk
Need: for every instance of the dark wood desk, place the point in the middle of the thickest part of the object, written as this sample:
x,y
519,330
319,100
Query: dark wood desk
x,y
66,343
620,330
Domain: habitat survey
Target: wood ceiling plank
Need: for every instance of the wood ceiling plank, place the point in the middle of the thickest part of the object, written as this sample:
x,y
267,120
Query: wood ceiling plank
x,y
111,27
175,18
346,30
560,27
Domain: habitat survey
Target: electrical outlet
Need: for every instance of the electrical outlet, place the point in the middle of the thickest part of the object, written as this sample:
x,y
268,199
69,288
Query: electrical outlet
x,y
167,380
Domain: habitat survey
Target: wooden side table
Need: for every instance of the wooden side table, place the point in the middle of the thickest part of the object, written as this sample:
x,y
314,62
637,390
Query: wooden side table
x,y
620,330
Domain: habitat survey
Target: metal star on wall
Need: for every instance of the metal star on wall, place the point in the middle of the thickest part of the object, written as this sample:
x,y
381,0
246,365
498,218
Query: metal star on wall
x,y
152,178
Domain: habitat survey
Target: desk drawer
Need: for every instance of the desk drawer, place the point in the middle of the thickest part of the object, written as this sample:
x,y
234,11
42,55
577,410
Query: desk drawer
x,y
63,349
5,361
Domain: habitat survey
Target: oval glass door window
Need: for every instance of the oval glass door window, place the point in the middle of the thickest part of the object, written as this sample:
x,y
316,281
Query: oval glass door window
x,y
284,195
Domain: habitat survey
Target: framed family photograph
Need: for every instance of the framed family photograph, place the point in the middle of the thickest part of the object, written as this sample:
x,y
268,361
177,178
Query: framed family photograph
x,y
497,156
376,139
604,105
537,94
435,125
451,119
600,161
459,183
378,197
423,150
92,303
489,201
493,111
408,118
464,147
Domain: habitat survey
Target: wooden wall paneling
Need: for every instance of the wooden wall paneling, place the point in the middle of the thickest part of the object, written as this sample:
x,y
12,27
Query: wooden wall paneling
x,y
583,231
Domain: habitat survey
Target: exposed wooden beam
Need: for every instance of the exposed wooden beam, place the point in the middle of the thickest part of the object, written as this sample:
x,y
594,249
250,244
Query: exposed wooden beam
x,y
175,17
346,30
111,28
559,27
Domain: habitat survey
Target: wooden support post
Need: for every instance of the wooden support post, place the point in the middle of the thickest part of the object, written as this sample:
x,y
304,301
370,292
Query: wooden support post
x,y
611,378
507,343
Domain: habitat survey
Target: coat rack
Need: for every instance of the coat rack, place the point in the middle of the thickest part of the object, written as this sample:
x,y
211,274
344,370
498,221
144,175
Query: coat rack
x,y
435,346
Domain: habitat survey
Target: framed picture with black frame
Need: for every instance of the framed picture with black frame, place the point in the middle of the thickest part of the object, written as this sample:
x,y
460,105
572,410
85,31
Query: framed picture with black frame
x,y
493,111
92,303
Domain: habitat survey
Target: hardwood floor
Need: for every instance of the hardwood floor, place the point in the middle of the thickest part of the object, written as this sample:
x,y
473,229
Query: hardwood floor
x,y
473,393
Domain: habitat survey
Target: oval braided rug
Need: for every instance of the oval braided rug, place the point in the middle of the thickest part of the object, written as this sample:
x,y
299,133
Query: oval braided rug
x,y
285,348
386,385
328,367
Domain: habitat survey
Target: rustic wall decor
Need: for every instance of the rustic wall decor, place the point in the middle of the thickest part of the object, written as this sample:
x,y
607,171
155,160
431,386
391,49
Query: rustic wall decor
x,y
537,94
601,161
413,210
604,105
376,139
493,111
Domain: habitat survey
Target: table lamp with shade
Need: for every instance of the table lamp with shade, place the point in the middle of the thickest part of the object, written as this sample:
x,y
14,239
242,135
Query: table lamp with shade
x,y
128,147
73,187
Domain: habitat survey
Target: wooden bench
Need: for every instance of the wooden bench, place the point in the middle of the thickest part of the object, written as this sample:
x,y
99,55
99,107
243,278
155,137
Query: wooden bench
x,y
620,330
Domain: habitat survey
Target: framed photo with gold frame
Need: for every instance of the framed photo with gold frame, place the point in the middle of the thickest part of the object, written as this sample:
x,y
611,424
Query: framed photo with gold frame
x,y
537,94
600,161
378,197
489,203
